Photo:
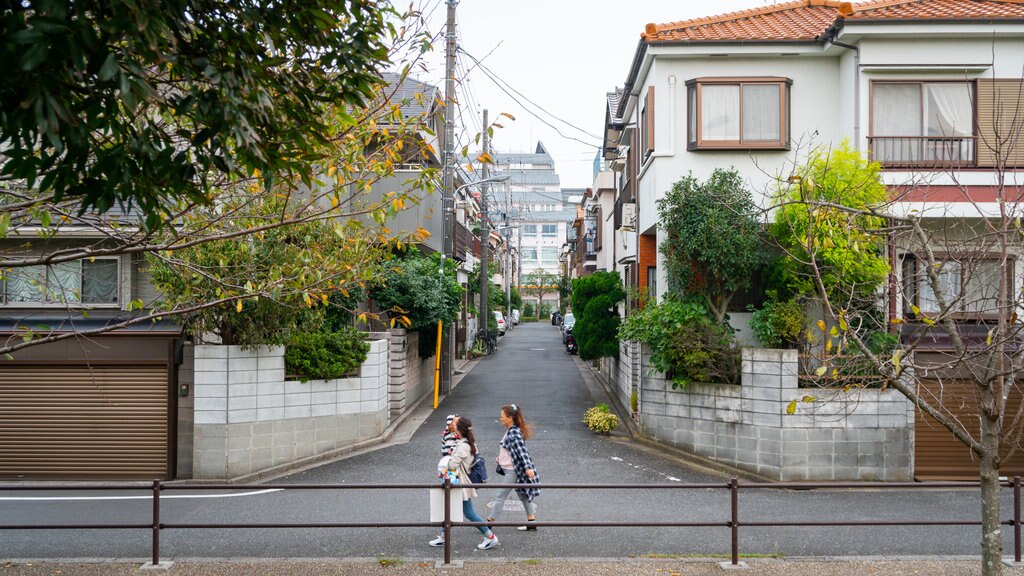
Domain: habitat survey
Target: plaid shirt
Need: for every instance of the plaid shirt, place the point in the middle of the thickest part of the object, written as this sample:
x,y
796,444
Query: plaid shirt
x,y
516,446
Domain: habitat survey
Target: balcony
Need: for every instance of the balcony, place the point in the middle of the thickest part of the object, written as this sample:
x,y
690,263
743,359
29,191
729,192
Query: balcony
x,y
465,241
923,151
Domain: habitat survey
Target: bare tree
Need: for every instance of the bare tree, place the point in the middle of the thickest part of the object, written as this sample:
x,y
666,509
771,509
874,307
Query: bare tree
x,y
953,296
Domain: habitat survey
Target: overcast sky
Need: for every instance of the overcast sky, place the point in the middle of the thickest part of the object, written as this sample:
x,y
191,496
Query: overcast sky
x,y
564,55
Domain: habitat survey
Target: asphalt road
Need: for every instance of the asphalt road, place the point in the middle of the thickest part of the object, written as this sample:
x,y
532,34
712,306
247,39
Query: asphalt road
x,y
531,370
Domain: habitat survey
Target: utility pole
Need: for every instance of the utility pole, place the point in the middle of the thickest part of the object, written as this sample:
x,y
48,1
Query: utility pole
x,y
448,192
508,250
485,235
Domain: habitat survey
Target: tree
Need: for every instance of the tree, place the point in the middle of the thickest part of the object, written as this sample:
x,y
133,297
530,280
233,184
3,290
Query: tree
x,y
594,300
713,245
538,283
417,292
154,103
362,147
956,287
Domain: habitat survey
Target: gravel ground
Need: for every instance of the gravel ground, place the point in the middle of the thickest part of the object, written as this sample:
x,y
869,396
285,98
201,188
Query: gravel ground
x,y
627,567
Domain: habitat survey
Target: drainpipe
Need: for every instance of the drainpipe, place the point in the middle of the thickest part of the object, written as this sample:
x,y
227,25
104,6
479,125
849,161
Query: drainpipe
x,y
831,38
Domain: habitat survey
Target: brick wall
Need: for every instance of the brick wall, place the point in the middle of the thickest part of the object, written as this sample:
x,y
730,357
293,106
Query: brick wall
x,y
860,435
647,255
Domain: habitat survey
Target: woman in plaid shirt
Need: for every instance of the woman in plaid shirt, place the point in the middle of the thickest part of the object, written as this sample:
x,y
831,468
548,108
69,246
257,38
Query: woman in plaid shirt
x,y
516,466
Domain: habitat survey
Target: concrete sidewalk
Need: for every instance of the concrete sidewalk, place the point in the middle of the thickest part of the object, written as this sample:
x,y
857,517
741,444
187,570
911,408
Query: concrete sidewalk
x,y
620,567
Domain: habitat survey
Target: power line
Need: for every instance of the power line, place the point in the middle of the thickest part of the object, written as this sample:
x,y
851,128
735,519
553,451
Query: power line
x,y
505,87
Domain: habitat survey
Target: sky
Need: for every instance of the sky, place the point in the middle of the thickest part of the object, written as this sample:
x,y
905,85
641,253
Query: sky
x,y
563,55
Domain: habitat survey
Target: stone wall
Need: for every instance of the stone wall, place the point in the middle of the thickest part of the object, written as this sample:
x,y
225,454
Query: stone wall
x,y
248,418
860,435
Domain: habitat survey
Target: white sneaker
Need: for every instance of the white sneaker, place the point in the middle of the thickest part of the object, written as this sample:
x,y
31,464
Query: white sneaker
x,y
488,543
437,542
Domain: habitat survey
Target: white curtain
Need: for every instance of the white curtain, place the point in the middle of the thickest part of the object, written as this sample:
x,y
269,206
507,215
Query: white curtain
x,y
949,110
720,113
896,110
25,284
64,282
761,112
982,287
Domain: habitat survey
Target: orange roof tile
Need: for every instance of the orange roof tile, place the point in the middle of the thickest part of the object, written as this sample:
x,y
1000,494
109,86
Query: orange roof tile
x,y
807,20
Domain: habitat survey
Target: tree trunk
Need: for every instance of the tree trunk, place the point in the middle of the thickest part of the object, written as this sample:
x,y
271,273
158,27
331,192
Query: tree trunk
x,y
991,529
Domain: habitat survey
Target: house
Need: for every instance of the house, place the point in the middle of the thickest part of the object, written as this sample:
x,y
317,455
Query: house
x,y
919,85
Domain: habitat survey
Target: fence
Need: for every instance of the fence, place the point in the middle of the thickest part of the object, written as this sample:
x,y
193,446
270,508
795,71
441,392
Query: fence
x,y
733,523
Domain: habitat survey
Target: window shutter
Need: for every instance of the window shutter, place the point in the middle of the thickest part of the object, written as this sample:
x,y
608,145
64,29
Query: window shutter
x,y
650,120
1000,117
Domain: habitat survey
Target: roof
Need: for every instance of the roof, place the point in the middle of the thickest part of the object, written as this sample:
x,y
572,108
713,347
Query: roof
x,y
404,93
809,20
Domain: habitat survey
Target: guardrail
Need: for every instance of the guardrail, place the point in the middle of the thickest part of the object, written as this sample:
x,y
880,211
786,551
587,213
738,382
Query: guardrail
x,y
733,523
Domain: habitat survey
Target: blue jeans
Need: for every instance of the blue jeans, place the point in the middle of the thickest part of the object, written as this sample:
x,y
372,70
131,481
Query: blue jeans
x,y
472,516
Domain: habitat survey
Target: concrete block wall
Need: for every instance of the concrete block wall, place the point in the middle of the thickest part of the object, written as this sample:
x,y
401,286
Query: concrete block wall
x,y
410,376
857,435
186,413
249,418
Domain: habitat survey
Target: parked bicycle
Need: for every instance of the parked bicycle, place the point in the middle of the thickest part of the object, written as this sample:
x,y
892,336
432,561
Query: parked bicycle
x,y
489,339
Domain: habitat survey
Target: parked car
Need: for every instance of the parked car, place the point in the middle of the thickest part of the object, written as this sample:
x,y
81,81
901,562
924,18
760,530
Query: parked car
x,y
567,324
556,318
502,324
515,317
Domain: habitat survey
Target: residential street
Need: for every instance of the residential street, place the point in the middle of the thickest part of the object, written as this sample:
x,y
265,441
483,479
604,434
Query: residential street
x,y
531,370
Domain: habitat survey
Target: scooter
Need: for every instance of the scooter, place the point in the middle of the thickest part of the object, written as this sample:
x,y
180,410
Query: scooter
x,y
570,345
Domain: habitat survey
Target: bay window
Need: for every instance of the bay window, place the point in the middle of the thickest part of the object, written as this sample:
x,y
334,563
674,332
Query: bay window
x,y
738,113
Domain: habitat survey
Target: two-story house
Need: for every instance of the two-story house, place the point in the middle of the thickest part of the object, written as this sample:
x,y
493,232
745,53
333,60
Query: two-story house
x,y
921,86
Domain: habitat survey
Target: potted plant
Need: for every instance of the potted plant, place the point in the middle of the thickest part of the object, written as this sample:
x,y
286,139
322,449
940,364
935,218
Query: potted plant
x,y
600,419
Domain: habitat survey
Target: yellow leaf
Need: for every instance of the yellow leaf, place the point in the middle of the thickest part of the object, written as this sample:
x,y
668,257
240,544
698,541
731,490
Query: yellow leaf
x,y
842,323
821,370
334,201
791,407
834,332
828,345
821,325
808,399
928,321
897,321
988,341
331,170
915,309
238,305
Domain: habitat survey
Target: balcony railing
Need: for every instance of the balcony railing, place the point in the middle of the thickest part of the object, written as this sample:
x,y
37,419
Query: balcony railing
x,y
923,151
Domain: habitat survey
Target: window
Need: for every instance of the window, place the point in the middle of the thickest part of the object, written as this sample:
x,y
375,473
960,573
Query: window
x,y
972,284
729,113
529,229
83,281
652,283
922,123
549,255
530,255
647,124
549,230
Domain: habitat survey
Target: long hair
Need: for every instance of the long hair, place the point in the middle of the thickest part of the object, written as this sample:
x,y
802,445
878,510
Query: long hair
x,y
465,428
516,414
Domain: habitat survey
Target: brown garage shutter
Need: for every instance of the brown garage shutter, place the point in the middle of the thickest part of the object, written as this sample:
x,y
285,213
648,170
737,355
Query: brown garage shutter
x,y
938,455
1000,119
83,422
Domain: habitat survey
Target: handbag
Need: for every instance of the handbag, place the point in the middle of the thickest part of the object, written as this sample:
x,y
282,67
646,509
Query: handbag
x,y
499,470
478,472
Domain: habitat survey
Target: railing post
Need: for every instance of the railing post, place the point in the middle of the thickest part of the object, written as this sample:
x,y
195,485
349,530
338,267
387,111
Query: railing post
x,y
1016,519
447,520
735,521
156,522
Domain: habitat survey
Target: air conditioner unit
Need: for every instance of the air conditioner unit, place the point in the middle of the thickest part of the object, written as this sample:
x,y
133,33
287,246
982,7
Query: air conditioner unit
x,y
628,216
617,165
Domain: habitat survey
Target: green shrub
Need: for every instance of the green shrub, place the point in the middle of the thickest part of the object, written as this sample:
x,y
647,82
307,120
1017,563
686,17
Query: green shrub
x,y
325,355
600,419
686,343
528,310
779,324
634,401
595,299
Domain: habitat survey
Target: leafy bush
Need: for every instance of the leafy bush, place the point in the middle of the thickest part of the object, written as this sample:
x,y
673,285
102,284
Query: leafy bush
x,y
686,343
325,355
600,419
634,401
594,300
545,310
528,310
779,324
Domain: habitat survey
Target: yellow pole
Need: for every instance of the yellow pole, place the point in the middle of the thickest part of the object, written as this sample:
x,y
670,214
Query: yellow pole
x,y
437,365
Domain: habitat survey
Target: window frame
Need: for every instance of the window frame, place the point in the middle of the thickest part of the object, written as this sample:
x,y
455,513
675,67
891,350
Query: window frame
x,y
694,97
47,302
910,292
972,85
553,234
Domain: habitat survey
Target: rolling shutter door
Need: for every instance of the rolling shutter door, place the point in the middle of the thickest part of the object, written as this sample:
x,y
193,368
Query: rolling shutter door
x,y
83,422
938,455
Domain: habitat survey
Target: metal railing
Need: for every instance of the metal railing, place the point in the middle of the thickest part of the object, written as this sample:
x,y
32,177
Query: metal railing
x,y
923,151
733,523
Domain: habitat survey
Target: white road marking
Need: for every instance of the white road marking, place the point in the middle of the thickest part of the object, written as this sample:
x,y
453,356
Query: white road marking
x,y
645,469
162,497
537,349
